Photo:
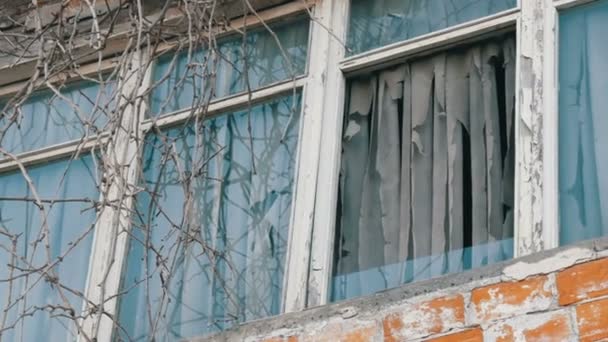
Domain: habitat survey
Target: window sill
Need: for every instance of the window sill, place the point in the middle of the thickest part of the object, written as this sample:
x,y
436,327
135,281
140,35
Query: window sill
x,y
372,312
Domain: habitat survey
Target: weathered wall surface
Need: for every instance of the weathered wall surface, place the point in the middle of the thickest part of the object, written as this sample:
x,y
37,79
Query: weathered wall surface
x,y
559,295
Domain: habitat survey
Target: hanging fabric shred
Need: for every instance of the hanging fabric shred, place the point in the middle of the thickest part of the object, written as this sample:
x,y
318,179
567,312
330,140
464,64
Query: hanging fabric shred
x,y
426,183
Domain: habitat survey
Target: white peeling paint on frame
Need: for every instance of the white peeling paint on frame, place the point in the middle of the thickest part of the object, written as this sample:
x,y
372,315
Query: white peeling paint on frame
x,y
562,260
538,168
298,256
529,164
550,142
307,286
326,187
111,234
529,128
537,190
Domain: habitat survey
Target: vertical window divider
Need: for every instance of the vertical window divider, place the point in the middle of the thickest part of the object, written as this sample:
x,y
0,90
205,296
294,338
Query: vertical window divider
x,y
335,16
110,242
532,86
313,97
551,131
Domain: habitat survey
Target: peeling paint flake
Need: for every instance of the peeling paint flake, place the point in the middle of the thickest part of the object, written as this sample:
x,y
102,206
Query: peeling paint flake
x,y
567,258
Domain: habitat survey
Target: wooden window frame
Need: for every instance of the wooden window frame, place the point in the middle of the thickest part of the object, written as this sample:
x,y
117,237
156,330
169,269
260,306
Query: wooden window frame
x,y
111,245
340,67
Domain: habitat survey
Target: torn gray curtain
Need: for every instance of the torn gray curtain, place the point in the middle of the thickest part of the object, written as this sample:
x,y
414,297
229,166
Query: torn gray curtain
x,y
427,163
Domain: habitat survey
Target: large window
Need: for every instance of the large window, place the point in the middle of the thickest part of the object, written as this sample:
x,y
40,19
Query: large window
x,y
210,234
583,84
176,184
420,156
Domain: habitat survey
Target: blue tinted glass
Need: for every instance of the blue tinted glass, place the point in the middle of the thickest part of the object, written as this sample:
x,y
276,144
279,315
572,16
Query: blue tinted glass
x,y
377,279
190,79
218,226
68,229
381,22
46,119
583,85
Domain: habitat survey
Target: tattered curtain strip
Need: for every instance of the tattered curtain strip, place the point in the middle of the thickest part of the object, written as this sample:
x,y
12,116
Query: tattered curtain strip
x,y
427,163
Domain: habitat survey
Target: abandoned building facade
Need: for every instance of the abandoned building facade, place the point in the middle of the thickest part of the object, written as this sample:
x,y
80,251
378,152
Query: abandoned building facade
x,y
306,170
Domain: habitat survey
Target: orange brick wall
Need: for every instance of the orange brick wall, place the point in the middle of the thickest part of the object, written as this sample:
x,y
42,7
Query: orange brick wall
x,y
549,300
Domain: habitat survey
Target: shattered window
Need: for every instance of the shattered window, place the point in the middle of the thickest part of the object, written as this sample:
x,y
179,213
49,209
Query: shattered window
x,y
47,118
427,170
46,231
217,197
192,78
381,22
583,85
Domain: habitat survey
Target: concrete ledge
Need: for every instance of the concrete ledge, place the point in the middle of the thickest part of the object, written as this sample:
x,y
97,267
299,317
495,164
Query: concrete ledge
x,y
369,307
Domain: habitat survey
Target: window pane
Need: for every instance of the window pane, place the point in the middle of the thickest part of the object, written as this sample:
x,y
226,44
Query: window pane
x,y
46,119
377,23
426,182
67,227
185,77
583,85
217,226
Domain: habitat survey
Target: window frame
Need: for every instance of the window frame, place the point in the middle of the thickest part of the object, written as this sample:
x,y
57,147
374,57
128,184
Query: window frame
x,y
110,249
322,246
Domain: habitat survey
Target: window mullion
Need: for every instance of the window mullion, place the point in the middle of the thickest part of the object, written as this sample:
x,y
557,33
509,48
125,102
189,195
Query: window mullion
x,y
537,116
335,16
117,197
550,142
298,253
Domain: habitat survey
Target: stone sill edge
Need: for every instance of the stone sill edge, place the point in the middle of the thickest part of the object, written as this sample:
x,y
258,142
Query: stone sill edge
x,y
539,263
